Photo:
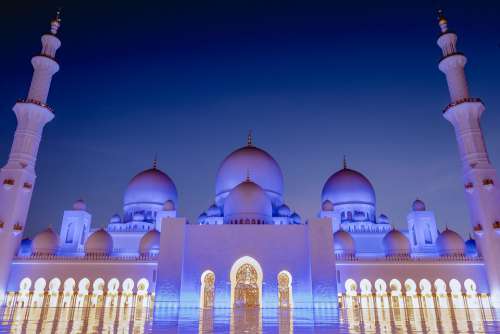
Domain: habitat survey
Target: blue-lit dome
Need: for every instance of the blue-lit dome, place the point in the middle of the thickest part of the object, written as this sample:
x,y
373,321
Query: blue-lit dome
x,y
261,167
248,203
151,186
25,247
348,186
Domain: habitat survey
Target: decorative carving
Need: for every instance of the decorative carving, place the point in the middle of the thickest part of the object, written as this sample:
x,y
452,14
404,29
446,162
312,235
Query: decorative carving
x,y
38,103
246,291
208,290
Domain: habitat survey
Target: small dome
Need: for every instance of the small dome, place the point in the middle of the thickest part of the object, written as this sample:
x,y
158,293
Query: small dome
x,y
450,243
214,211
396,244
418,205
284,211
150,243
262,167
348,186
470,247
115,219
201,218
248,201
169,205
80,205
344,243
151,186
383,219
138,217
327,205
45,242
99,243
295,218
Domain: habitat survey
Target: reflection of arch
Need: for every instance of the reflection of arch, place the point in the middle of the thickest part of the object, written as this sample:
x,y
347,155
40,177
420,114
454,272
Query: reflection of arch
x,y
285,297
207,293
246,282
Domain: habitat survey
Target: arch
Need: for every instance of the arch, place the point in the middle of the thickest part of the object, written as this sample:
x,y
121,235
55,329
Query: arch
x,y
113,285
440,286
248,272
380,286
207,291
69,285
395,286
83,286
142,286
455,286
470,286
25,285
285,295
425,286
410,287
98,286
366,287
54,285
40,284
351,287
128,285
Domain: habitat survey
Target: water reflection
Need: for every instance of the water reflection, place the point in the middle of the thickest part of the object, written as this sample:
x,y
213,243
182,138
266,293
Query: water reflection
x,y
247,320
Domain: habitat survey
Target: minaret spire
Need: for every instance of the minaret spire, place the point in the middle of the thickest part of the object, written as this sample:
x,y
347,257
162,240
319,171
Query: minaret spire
x,y
18,175
480,177
344,162
155,161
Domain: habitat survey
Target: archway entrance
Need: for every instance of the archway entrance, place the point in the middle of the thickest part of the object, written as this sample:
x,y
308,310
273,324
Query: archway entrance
x,y
207,289
246,283
246,291
285,289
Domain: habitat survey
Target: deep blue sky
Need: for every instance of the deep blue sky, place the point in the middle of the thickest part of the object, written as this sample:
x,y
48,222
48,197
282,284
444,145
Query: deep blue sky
x,y
186,80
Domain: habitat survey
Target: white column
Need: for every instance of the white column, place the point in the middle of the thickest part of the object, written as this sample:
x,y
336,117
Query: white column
x,y
480,179
17,177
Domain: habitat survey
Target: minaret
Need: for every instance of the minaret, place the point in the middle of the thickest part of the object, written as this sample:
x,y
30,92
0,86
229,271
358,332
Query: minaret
x,y
17,178
480,179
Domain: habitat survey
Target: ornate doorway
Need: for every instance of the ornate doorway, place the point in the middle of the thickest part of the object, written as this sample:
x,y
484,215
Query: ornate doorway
x,y
246,290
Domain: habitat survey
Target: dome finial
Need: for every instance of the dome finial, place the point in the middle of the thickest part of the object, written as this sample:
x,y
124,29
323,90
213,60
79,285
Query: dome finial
x,y
55,24
248,175
344,162
155,161
250,138
442,21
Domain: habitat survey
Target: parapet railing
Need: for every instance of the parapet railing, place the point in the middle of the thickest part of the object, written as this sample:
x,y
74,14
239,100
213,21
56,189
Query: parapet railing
x,y
86,258
409,259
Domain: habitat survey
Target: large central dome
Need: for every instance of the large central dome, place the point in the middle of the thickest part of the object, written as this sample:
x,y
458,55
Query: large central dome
x,y
252,161
348,186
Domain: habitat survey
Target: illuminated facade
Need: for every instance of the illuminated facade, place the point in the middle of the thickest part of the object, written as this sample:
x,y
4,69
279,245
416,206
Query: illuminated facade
x,y
250,248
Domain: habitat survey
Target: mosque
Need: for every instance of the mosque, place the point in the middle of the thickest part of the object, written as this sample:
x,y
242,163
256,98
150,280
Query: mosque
x,y
250,248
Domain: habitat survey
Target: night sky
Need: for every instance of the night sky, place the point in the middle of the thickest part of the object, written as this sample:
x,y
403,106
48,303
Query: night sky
x,y
186,80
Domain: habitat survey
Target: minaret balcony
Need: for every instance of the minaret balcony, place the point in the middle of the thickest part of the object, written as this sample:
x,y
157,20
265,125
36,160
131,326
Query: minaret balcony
x,y
35,102
461,101
488,184
469,187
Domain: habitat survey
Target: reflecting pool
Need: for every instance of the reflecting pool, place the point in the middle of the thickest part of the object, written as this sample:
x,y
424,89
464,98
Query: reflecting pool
x,y
145,320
